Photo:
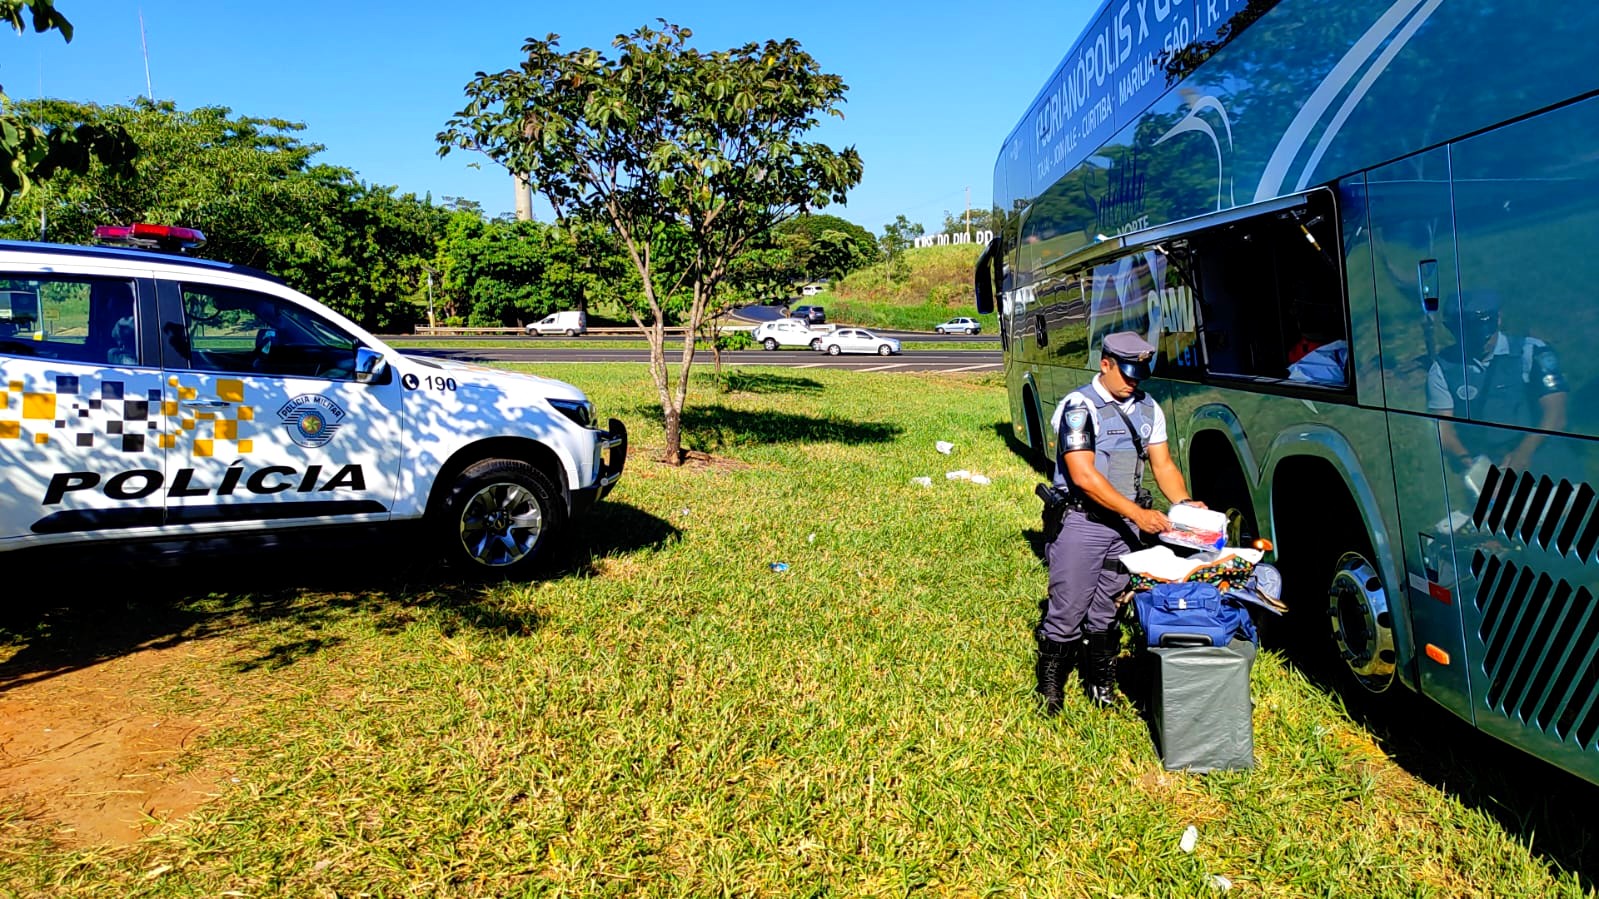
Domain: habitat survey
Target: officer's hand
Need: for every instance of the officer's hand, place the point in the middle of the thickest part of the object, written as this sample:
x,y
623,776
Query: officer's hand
x,y
1193,502
1150,521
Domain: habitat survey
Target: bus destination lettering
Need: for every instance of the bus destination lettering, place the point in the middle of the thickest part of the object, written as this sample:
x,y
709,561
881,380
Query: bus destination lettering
x,y
1118,65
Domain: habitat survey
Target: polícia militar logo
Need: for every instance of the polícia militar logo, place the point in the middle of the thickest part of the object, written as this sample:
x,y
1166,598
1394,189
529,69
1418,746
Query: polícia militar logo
x,y
311,420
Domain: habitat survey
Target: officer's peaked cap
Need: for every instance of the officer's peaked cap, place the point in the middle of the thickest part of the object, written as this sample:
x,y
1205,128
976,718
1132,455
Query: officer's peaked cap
x,y
1133,354
1481,303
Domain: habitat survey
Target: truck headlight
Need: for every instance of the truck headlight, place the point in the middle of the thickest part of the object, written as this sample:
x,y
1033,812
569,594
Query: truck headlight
x,y
580,411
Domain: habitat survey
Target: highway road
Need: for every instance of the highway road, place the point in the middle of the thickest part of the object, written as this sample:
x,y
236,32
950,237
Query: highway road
x,y
986,359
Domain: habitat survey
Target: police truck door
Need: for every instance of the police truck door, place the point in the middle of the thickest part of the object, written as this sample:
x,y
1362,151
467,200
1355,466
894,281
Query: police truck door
x,y
80,435
269,423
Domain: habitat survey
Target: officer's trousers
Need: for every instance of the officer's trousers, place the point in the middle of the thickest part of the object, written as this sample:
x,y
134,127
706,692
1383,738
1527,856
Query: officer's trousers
x,y
1082,587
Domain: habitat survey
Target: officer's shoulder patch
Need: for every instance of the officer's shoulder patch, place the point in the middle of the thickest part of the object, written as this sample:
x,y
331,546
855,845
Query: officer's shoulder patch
x,y
1076,418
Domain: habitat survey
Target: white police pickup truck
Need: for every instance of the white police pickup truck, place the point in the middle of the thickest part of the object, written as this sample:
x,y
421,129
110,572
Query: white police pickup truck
x,y
148,398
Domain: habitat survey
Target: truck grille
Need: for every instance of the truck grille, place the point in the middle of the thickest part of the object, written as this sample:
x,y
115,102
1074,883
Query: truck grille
x,y
1561,517
1542,645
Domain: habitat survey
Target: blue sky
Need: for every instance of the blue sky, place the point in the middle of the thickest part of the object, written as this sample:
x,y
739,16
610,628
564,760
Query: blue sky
x,y
934,87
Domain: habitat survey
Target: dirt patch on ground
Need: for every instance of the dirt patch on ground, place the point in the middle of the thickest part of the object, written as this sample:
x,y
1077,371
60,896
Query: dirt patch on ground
x,y
88,759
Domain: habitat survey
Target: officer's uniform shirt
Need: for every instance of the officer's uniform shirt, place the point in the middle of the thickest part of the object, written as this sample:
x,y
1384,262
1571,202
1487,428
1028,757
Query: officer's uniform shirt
x,y
1543,378
1157,432
1138,408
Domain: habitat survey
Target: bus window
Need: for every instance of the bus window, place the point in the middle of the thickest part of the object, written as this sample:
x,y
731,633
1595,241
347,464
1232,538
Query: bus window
x,y
1065,316
1176,324
1412,263
1271,298
1525,220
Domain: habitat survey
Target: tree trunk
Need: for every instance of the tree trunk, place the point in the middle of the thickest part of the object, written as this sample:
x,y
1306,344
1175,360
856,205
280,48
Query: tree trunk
x,y
674,436
671,407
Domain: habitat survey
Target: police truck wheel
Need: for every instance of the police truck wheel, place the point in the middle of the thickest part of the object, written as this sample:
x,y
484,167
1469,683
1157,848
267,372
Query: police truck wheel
x,y
770,343
498,516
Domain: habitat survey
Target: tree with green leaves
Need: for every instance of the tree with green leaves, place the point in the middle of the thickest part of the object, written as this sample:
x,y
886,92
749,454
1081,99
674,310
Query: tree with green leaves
x,y
251,185
971,221
898,236
30,154
826,246
503,273
686,155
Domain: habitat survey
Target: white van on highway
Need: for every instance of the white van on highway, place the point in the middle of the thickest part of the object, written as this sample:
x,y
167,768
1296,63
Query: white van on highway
x,y
571,323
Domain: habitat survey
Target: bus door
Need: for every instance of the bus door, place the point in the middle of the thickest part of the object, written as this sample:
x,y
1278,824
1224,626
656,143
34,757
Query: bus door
x,y
1412,265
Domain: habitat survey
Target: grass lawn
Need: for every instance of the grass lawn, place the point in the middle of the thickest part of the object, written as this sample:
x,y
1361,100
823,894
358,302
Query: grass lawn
x,y
663,714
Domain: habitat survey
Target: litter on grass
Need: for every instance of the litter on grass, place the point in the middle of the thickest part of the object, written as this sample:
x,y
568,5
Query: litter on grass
x,y
925,482
981,479
779,566
958,475
944,446
1190,839
1221,883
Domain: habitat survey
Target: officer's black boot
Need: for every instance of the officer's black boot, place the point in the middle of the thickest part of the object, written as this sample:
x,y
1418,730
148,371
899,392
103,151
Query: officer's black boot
x,y
1099,667
1053,665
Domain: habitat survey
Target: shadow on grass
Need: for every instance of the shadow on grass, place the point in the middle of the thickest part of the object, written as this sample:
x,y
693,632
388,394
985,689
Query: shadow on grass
x,y
1002,429
1545,808
744,381
710,428
113,607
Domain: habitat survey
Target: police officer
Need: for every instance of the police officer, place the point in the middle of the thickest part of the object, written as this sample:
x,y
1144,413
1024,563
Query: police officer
x,y
1507,380
1105,431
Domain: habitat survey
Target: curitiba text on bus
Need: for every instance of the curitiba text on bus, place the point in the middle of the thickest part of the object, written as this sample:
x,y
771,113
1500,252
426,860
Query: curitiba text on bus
x,y
945,240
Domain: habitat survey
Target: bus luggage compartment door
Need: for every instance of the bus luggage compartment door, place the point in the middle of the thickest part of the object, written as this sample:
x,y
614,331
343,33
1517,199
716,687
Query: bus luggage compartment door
x,y
1428,525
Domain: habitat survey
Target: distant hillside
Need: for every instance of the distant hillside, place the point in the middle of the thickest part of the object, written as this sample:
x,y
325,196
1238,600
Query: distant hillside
x,y
938,287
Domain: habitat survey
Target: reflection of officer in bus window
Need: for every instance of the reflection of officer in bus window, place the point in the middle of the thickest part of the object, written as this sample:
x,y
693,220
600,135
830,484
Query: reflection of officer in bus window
x,y
1508,380
1099,428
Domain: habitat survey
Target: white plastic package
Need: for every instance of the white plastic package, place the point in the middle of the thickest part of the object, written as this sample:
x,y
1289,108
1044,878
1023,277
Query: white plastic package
x,y
1195,528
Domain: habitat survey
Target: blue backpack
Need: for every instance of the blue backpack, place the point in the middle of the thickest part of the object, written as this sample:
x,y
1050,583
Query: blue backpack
x,y
1191,614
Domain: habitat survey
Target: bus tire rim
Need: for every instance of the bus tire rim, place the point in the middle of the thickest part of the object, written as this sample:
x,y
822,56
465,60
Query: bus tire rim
x,y
1362,623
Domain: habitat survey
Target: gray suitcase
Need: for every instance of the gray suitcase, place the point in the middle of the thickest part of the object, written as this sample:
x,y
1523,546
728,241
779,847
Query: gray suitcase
x,y
1201,707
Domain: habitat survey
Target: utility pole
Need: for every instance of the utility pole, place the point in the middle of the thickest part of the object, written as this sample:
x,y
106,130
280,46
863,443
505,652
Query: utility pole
x,y
431,322
144,47
968,213
524,198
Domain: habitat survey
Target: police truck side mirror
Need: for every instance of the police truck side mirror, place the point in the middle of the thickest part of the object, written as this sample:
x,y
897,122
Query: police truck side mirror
x,y
370,366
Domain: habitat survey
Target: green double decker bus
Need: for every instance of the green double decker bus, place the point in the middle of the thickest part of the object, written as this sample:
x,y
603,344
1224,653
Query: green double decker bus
x,y
1362,235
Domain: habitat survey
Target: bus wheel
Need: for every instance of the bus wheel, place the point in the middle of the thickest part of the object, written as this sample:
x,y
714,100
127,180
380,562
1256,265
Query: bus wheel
x,y
1035,432
1362,623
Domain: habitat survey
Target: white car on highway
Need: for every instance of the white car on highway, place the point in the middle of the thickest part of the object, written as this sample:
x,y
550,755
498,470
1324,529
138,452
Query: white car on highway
x,y
791,332
857,340
961,325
